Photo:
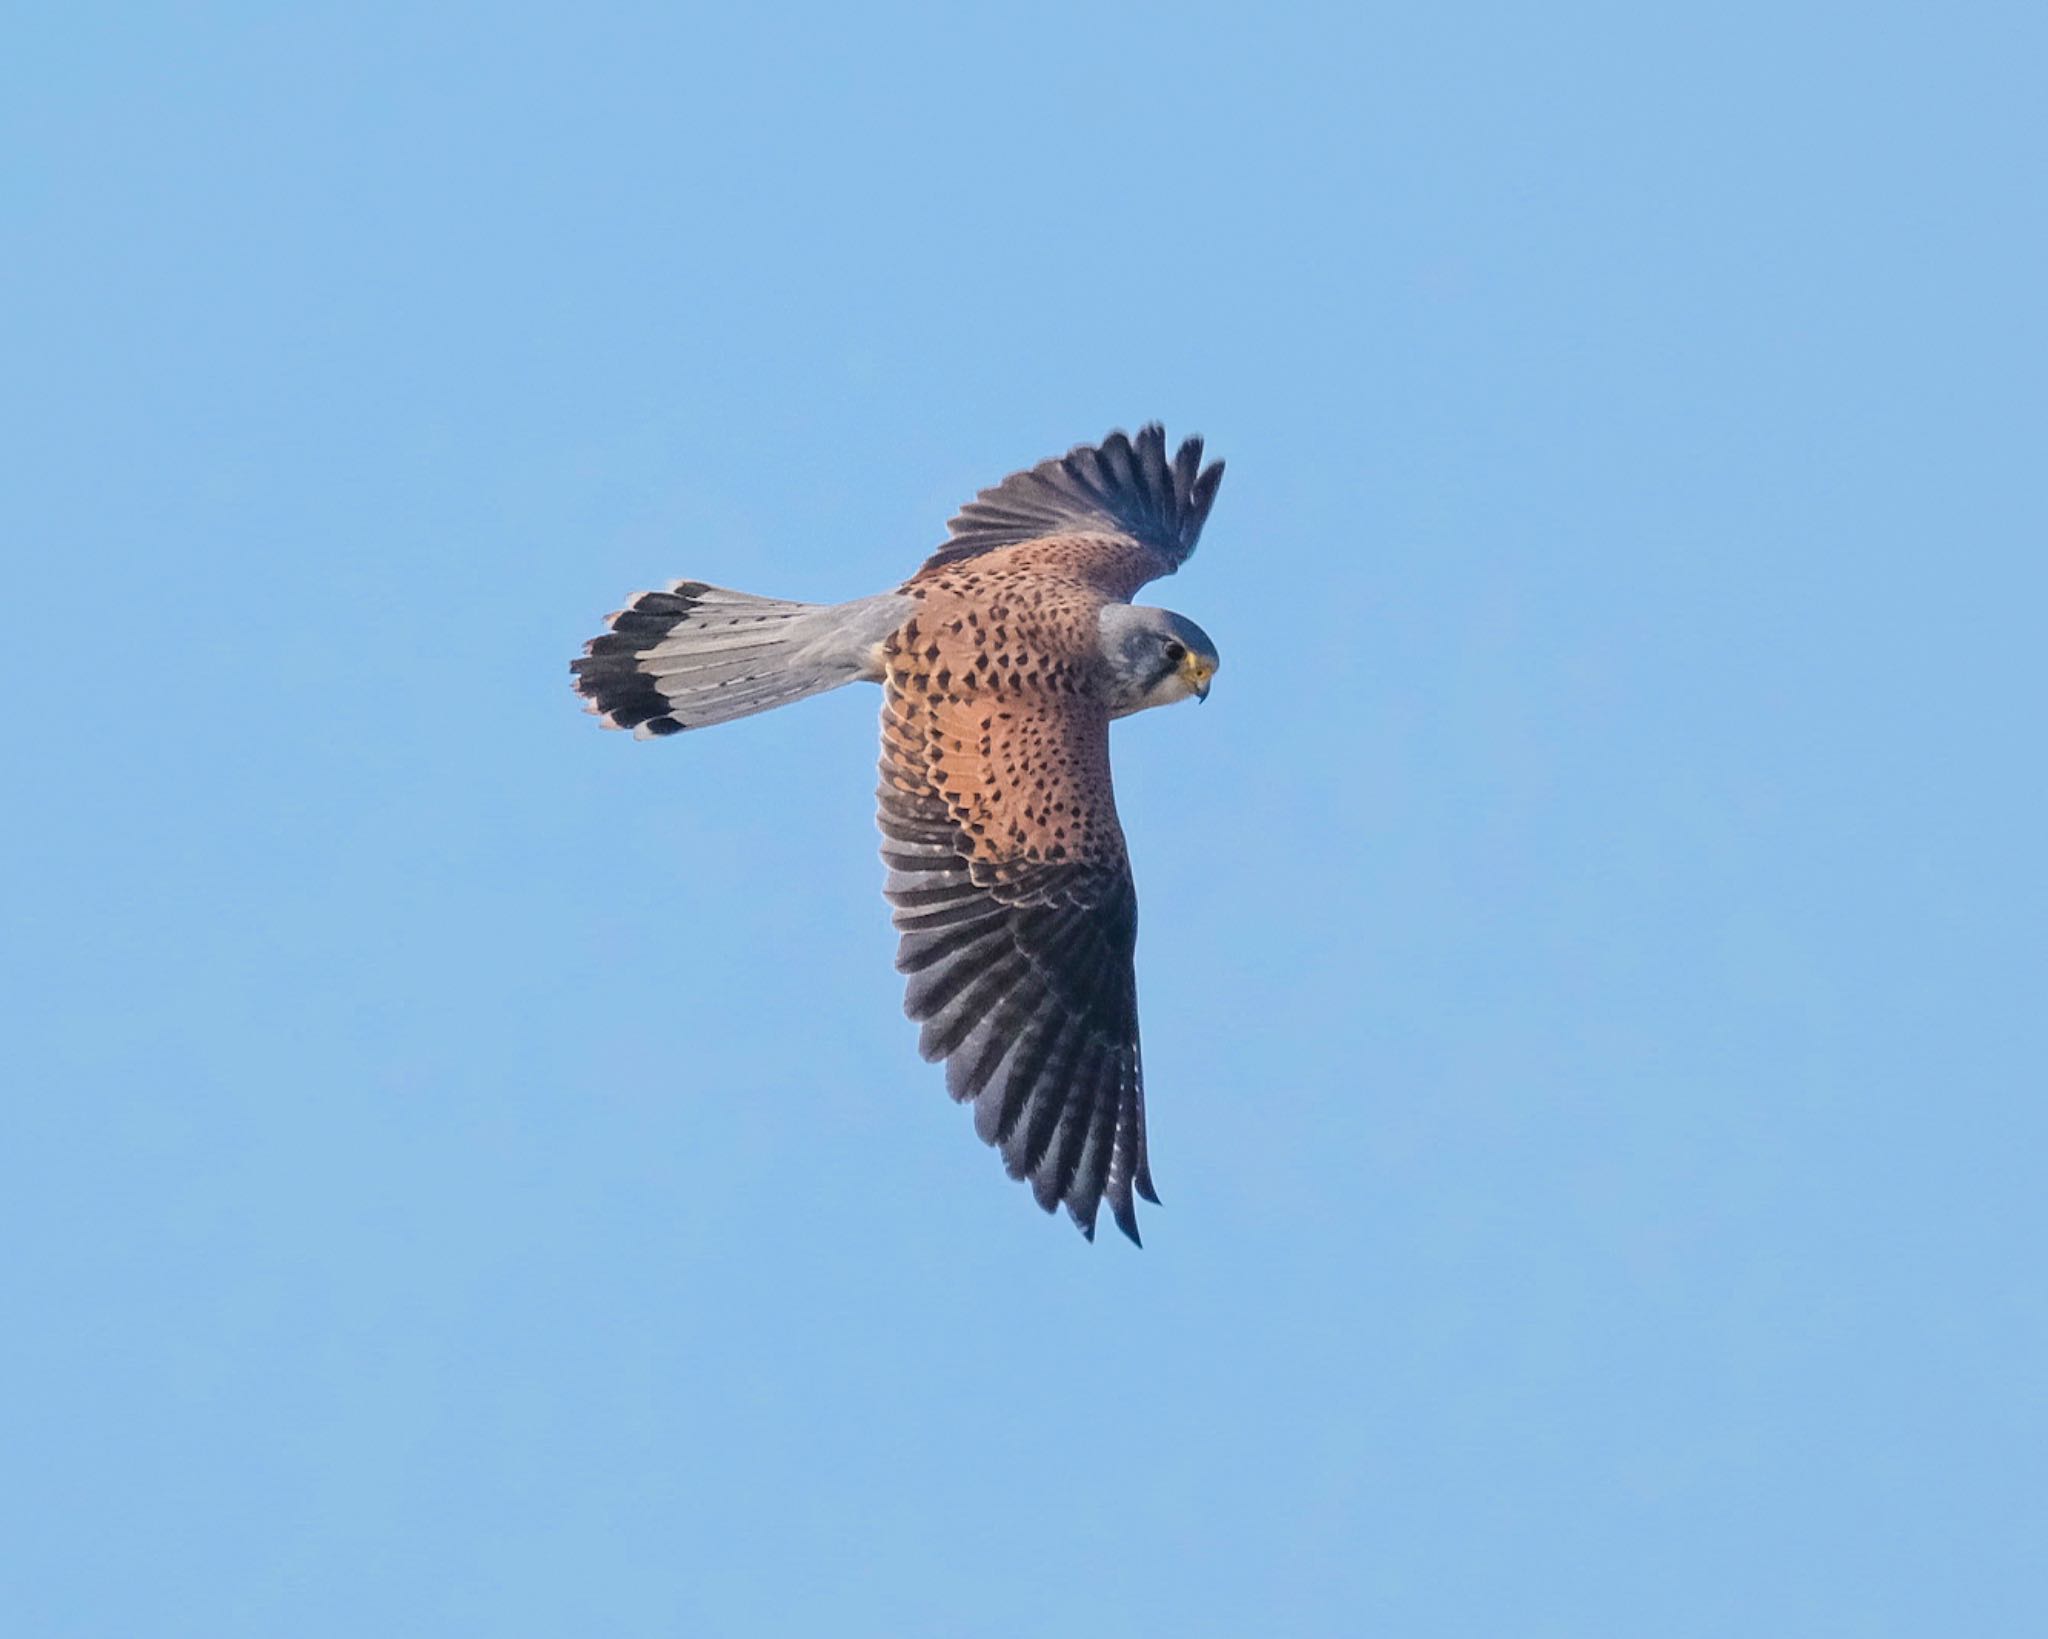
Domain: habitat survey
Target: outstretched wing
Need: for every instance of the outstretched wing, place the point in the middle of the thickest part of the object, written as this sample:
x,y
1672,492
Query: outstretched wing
x,y
1018,917
1142,512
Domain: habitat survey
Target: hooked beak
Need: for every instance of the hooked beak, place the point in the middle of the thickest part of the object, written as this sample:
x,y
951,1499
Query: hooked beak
x,y
1198,673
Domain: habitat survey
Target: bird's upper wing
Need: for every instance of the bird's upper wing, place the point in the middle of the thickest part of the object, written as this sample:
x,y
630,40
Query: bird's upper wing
x,y
1137,514
1013,892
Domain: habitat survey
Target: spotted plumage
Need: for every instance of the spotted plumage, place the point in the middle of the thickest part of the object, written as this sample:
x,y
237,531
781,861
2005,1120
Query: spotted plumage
x,y
1002,663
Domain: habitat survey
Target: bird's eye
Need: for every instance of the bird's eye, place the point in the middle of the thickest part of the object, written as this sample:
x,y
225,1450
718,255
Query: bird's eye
x,y
1176,653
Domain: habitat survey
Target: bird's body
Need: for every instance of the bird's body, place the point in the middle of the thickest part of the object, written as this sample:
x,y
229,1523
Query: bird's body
x,y
1002,663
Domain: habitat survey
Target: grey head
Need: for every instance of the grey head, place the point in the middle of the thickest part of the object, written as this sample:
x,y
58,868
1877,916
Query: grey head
x,y
1154,656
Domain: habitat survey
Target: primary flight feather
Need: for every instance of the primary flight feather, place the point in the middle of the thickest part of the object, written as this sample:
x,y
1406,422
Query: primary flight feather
x,y
1002,662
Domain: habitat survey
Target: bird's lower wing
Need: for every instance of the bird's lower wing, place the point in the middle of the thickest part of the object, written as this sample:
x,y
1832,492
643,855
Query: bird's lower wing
x,y
1020,965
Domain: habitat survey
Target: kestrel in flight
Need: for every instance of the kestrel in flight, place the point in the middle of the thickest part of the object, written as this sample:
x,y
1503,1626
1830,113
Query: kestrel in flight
x,y
1002,662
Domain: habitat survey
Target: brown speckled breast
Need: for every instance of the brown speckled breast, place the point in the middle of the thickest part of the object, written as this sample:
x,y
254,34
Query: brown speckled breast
x,y
994,706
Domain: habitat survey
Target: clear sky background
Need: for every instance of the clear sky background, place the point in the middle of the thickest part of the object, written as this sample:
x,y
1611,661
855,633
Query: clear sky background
x,y
466,1173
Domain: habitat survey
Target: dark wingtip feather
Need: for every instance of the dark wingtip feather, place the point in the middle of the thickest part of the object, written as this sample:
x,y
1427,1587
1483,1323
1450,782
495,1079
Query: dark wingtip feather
x,y
1120,485
1030,1001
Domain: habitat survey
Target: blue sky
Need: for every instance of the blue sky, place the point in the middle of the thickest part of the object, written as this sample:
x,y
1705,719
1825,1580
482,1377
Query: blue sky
x,y
468,1173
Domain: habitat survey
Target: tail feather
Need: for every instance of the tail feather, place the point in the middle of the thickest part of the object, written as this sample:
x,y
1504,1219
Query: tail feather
x,y
691,655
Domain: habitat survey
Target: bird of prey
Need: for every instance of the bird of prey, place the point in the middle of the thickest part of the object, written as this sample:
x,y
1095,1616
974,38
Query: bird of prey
x,y
1002,662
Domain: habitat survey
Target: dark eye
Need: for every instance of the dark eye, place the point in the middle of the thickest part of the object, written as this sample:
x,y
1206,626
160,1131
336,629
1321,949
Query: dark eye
x,y
1176,653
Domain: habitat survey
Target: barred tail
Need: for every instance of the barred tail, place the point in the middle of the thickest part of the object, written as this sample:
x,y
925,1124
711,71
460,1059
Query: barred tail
x,y
693,655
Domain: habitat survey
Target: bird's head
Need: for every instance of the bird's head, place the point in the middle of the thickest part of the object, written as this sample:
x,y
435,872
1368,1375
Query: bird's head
x,y
1155,657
